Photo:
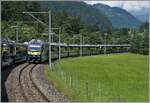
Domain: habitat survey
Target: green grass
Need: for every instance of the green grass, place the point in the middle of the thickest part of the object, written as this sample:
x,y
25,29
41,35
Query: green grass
x,y
116,77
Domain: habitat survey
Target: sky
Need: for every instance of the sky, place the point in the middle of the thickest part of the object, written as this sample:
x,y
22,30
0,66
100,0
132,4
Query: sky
x,y
140,9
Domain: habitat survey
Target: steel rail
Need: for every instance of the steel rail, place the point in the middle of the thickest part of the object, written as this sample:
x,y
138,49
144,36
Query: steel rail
x,y
21,87
30,75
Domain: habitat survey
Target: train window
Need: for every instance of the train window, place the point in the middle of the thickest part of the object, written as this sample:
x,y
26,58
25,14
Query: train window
x,y
34,48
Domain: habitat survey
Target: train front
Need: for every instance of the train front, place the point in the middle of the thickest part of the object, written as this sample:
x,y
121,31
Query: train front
x,y
34,50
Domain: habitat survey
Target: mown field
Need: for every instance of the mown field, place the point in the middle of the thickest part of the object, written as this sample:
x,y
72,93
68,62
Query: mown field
x,y
115,77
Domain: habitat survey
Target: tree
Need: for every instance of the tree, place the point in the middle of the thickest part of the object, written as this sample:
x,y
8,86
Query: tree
x,y
12,10
140,41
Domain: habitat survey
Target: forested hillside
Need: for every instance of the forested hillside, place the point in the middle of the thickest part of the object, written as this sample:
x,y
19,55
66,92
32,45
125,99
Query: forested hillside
x,y
87,13
74,19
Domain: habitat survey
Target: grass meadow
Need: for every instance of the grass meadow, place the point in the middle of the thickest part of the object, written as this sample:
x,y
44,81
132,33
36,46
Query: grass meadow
x,y
114,77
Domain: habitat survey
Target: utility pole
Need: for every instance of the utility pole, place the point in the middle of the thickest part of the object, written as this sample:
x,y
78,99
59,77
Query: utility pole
x,y
49,29
105,34
81,45
17,31
49,34
59,45
52,35
59,37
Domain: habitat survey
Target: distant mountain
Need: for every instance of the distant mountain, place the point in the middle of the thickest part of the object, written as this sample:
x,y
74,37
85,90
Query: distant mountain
x,y
87,13
142,14
118,17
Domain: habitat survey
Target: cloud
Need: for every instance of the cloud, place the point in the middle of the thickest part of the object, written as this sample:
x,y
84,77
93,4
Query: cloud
x,y
110,3
135,5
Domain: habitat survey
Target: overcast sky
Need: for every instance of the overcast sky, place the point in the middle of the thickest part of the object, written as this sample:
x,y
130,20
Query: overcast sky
x,y
128,5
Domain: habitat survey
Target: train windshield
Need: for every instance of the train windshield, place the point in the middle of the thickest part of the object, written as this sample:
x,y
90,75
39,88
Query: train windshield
x,y
34,48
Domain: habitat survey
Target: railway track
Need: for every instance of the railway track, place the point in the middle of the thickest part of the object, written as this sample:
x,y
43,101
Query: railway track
x,y
30,90
23,86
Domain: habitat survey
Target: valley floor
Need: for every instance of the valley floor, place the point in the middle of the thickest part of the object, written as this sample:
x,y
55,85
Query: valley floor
x,y
114,77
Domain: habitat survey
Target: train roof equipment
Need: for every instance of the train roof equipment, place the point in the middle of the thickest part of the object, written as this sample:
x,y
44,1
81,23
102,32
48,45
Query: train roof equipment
x,y
36,42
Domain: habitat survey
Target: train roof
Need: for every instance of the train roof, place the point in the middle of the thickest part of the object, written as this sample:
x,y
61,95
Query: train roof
x,y
36,41
90,45
7,41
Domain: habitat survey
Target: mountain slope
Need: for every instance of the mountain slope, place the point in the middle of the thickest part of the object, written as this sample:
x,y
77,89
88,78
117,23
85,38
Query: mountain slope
x,y
87,13
119,17
142,14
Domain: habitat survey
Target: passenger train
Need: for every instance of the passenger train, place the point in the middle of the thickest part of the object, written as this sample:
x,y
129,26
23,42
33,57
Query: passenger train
x,y
38,50
12,52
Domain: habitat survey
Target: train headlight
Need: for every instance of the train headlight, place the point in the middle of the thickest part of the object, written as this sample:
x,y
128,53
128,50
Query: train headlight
x,y
37,53
33,53
29,52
